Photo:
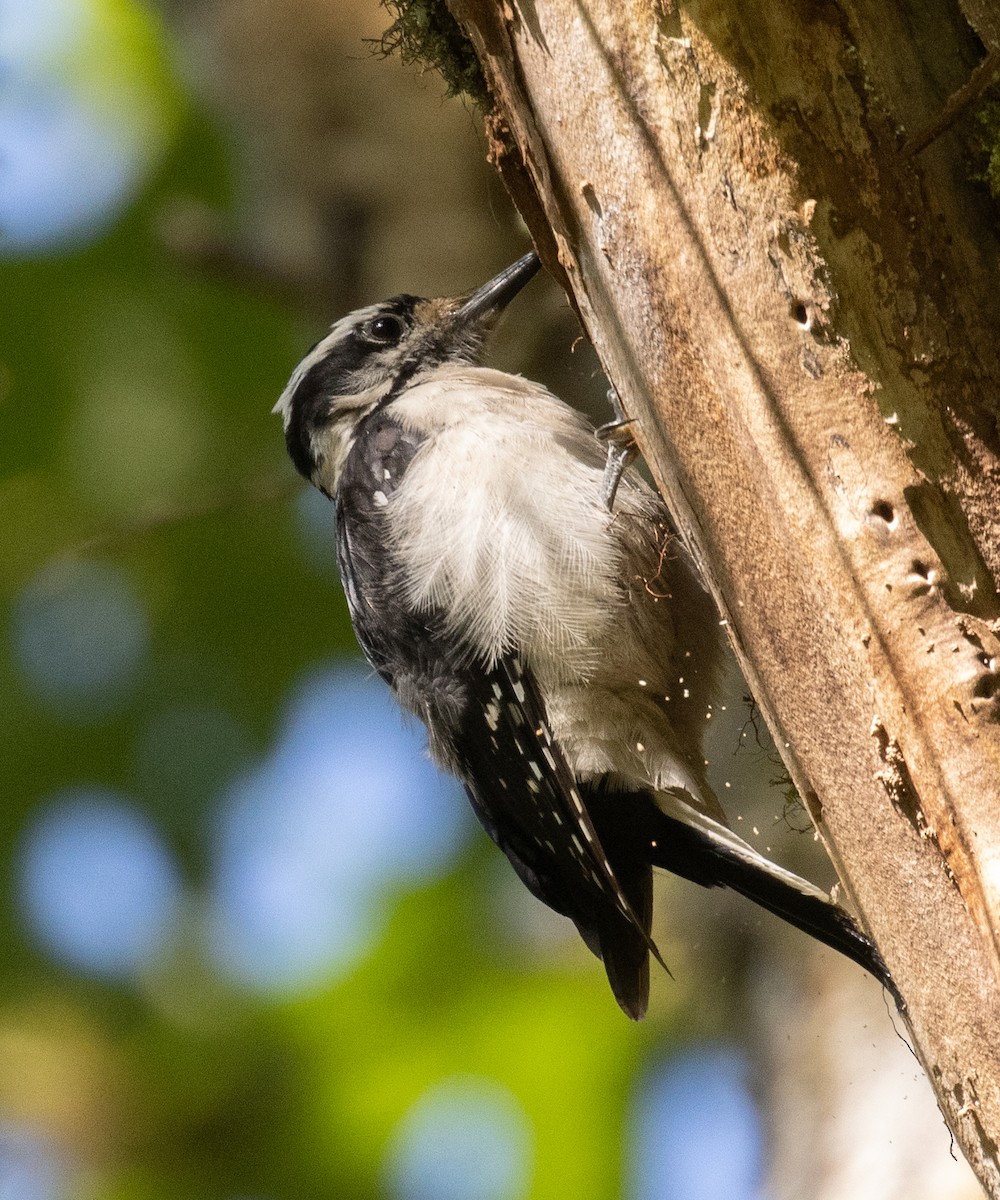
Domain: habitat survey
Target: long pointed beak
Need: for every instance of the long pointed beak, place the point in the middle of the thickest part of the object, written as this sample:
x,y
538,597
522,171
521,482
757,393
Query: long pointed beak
x,y
493,297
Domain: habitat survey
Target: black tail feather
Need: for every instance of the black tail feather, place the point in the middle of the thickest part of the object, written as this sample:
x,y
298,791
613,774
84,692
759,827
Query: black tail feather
x,y
631,826
622,943
688,851
624,947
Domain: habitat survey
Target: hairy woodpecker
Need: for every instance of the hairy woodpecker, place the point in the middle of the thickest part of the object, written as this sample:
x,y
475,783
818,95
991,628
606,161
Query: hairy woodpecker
x,y
553,637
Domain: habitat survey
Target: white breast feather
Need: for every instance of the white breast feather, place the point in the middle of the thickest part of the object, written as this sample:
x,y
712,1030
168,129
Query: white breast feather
x,y
477,541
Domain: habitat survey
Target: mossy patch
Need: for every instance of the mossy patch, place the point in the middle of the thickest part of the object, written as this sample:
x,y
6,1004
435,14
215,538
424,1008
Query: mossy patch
x,y
426,33
988,147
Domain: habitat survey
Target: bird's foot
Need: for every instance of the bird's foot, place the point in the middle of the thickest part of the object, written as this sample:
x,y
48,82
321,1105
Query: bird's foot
x,y
621,448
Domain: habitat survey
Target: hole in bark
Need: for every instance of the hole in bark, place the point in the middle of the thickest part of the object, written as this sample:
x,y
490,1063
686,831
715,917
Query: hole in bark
x,y
920,568
884,511
800,314
706,113
588,193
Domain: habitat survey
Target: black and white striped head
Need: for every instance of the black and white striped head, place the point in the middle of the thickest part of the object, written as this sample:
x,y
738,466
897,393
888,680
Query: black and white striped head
x,y
370,356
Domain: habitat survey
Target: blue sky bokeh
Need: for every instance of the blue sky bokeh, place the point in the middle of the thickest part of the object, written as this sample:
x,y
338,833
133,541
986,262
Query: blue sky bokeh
x,y
86,116
214,793
312,844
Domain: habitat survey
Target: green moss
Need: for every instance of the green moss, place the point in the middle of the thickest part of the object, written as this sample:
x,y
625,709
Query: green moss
x,y
988,119
425,32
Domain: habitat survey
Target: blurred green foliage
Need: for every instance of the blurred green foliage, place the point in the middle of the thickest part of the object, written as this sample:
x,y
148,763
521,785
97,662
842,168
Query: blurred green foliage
x,y
135,396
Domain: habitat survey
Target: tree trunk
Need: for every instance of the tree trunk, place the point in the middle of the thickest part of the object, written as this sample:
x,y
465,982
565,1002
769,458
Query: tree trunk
x,y
803,318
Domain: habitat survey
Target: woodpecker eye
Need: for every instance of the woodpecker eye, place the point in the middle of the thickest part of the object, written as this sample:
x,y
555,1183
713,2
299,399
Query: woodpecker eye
x,y
384,329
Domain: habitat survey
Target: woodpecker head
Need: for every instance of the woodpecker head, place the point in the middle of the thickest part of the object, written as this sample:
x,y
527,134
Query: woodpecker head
x,y
370,356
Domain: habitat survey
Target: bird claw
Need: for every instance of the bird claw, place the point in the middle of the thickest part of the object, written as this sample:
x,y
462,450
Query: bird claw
x,y
621,448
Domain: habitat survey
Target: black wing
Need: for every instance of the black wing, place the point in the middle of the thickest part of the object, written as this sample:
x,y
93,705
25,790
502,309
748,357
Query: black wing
x,y
529,803
385,627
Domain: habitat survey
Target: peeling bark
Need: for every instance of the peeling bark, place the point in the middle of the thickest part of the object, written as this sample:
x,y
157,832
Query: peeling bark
x,y
803,319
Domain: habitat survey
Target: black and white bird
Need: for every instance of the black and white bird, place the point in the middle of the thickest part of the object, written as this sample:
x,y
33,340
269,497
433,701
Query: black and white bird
x,y
551,635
